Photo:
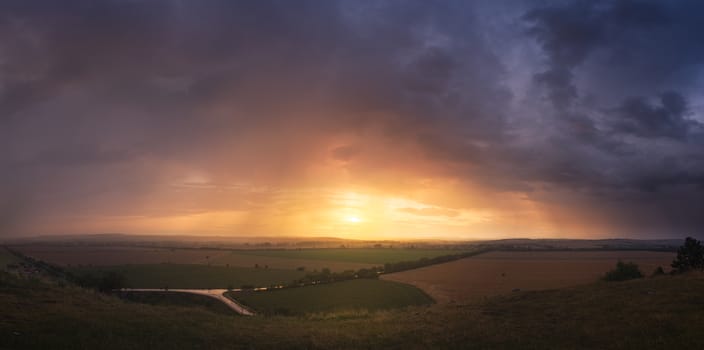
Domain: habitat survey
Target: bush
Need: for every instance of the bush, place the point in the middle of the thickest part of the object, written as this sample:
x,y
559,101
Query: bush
x,y
659,271
623,271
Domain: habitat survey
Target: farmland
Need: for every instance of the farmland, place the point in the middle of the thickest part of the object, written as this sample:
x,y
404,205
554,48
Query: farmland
x,y
160,267
238,258
73,256
354,295
499,272
194,276
377,256
68,255
335,259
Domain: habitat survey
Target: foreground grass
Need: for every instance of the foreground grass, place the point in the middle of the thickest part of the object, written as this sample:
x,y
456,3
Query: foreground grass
x,y
378,256
195,276
360,294
660,313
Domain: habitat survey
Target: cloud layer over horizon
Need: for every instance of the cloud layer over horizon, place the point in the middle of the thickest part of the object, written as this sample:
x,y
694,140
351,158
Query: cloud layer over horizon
x,y
448,119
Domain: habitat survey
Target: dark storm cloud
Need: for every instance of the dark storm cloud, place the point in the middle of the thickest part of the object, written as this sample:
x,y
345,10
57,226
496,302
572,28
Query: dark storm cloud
x,y
88,88
47,45
668,119
618,48
628,71
570,33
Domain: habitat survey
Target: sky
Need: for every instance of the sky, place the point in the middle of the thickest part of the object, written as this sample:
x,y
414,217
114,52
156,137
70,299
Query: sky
x,y
353,119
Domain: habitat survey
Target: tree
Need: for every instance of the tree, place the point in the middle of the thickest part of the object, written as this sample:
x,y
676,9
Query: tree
x,y
690,256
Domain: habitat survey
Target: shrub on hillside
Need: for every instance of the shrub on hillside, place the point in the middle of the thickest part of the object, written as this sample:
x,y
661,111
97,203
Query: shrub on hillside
x,y
658,271
623,271
104,282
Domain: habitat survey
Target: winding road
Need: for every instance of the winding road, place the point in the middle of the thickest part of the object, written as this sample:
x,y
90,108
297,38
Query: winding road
x,y
218,294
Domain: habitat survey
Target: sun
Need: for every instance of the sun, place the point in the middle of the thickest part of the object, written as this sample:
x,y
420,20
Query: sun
x,y
353,219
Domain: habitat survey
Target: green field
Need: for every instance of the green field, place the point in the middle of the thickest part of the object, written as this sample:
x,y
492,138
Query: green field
x,y
377,256
360,294
195,276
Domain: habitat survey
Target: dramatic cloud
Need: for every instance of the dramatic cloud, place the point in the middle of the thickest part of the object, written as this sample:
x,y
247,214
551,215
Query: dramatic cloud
x,y
636,116
352,118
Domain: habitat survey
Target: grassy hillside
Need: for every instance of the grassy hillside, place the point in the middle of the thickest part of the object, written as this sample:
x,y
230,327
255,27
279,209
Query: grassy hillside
x,y
663,313
360,294
195,276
